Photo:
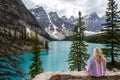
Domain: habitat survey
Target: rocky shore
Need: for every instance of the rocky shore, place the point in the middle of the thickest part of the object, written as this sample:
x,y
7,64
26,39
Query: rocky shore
x,y
74,75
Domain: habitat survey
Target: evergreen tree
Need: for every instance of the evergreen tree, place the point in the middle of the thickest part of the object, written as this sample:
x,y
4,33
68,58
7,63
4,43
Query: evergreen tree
x,y
15,32
10,68
46,45
77,57
9,32
36,66
112,36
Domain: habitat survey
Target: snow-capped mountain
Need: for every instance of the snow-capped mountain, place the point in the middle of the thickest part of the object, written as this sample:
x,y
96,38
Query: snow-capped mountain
x,y
52,24
59,28
71,20
41,16
93,22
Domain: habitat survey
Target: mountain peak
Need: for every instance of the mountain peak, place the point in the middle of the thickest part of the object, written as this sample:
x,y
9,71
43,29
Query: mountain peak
x,y
94,15
39,7
64,17
72,18
54,14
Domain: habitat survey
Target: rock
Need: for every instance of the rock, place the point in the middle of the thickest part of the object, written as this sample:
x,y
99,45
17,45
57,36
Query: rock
x,y
44,76
74,75
14,20
114,70
15,16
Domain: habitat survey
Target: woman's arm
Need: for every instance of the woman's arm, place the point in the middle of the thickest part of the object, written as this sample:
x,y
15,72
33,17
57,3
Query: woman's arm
x,y
105,65
88,66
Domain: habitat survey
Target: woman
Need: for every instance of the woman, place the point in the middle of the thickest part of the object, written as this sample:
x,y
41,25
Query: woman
x,y
96,64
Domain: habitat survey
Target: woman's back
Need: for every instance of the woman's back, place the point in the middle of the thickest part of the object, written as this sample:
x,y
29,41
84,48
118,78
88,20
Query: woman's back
x,y
96,69
96,64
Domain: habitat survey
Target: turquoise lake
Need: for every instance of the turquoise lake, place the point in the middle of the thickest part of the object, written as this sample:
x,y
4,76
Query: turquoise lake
x,y
56,58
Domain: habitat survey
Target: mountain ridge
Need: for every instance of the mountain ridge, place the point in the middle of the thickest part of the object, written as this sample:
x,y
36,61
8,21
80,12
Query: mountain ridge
x,y
61,27
52,23
16,21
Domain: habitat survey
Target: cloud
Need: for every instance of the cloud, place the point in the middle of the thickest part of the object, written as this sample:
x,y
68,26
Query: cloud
x,y
71,7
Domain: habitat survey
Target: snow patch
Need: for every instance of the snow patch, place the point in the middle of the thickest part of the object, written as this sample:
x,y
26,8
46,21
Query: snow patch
x,y
28,31
33,13
88,33
37,17
55,28
63,26
57,35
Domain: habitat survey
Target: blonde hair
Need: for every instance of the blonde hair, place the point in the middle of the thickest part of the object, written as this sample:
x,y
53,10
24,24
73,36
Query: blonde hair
x,y
98,55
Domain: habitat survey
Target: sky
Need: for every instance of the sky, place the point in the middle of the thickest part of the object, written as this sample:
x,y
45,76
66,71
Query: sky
x,y
71,7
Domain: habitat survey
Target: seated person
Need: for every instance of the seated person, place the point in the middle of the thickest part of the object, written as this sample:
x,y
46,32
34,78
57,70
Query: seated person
x,y
96,65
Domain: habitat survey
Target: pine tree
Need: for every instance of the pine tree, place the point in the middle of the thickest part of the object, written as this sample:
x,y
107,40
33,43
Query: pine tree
x,y
15,32
36,66
77,57
46,45
10,68
9,32
112,42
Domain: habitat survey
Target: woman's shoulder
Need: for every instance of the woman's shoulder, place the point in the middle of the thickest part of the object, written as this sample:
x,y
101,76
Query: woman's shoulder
x,y
91,58
104,59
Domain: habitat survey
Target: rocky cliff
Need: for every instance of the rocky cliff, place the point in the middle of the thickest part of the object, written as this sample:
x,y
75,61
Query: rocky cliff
x,y
14,15
52,23
93,22
15,19
74,75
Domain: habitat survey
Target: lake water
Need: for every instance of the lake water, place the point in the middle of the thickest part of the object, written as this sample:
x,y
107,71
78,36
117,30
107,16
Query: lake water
x,y
56,58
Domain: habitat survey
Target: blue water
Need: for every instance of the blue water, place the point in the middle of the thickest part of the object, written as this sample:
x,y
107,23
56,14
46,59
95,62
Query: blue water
x,y
56,58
